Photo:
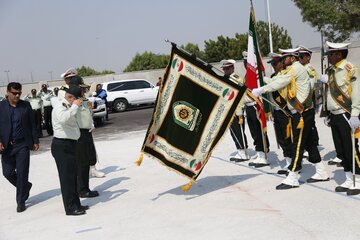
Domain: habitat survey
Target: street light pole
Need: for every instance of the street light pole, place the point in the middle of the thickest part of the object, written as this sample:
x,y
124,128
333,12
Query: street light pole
x,y
7,75
51,75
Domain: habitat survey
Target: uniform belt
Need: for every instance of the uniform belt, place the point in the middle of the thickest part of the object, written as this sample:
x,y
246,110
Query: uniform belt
x,y
250,104
337,112
65,139
15,141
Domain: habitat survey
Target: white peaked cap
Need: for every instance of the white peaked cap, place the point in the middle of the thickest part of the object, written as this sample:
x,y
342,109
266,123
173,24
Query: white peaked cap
x,y
69,73
227,62
337,46
244,53
303,49
290,51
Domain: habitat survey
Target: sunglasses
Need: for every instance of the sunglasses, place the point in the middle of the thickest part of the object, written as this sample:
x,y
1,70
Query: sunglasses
x,y
15,93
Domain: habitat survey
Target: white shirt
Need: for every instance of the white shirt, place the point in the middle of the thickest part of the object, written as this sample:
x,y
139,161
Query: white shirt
x,y
64,121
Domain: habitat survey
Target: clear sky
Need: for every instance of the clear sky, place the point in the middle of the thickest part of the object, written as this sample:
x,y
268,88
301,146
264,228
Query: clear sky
x,y
40,39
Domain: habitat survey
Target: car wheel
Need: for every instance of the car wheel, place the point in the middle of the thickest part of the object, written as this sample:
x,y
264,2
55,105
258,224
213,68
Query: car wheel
x,y
120,105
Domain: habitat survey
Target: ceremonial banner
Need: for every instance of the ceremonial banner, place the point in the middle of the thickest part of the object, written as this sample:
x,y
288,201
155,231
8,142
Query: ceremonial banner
x,y
194,108
255,67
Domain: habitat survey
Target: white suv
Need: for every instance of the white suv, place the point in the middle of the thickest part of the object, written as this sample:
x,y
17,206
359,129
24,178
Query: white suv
x,y
122,93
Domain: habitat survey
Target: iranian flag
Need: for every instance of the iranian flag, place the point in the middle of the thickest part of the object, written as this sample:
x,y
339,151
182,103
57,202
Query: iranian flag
x,y
255,67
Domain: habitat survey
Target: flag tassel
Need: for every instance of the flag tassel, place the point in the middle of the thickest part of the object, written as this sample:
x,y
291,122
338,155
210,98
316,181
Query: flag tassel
x,y
187,187
301,123
139,161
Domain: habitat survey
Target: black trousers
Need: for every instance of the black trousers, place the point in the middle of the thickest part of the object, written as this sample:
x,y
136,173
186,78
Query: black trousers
x,y
341,133
15,162
63,150
303,140
256,129
85,156
37,116
280,123
47,120
237,132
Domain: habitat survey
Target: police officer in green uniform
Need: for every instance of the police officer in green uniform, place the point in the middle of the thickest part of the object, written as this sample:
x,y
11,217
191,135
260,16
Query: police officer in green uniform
x,y
237,128
343,104
299,102
36,105
282,122
66,134
304,59
261,141
85,149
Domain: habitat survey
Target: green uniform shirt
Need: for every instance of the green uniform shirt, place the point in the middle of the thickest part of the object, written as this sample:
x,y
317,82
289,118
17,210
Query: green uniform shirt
x,y
84,116
35,102
346,73
299,73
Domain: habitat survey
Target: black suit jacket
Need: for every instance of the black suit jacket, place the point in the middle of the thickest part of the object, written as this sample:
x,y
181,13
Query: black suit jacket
x,y
27,121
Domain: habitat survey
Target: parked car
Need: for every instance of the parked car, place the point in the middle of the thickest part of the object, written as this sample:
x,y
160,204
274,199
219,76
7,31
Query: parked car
x,y
133,92
99,110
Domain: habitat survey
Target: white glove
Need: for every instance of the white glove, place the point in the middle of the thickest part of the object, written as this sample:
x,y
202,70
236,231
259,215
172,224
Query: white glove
x,y
92,128
267,79
324,78
257,91
354,122
327,121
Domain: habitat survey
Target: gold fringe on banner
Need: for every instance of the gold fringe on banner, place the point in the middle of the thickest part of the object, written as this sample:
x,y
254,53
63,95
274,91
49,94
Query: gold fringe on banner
x,y
241,120
357,133
187,187
301,123
139,161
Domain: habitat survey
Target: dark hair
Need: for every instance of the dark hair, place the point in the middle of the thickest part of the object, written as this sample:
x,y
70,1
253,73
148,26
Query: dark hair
x,y
344,53
14,85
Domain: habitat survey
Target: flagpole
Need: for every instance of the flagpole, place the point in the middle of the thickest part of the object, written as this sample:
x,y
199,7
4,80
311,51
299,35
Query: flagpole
x,y
270,35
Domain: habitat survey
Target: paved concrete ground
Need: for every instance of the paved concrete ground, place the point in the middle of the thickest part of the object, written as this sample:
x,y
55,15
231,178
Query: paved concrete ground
x,y
229,201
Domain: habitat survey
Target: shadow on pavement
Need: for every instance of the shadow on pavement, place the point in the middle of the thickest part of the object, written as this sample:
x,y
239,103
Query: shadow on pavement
x,y
106,195
207,185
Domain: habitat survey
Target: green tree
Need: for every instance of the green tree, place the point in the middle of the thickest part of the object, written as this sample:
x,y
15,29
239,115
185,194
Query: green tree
x,y
225,47
84,71
280,37
338,19
147,60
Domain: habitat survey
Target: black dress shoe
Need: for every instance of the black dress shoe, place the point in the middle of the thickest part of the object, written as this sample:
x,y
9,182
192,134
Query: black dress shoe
x,y
89,194
76,212
28,192
84,207
284,186
313,180
21,207
252,164
282,172
259,165
239,159
341,189
350,192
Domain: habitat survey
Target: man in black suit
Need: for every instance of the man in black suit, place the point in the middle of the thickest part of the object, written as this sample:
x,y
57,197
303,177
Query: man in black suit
x,y
18,136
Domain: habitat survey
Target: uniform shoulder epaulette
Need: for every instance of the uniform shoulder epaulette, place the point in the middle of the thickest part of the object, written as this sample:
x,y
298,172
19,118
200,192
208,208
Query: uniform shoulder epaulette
x,y
348,67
